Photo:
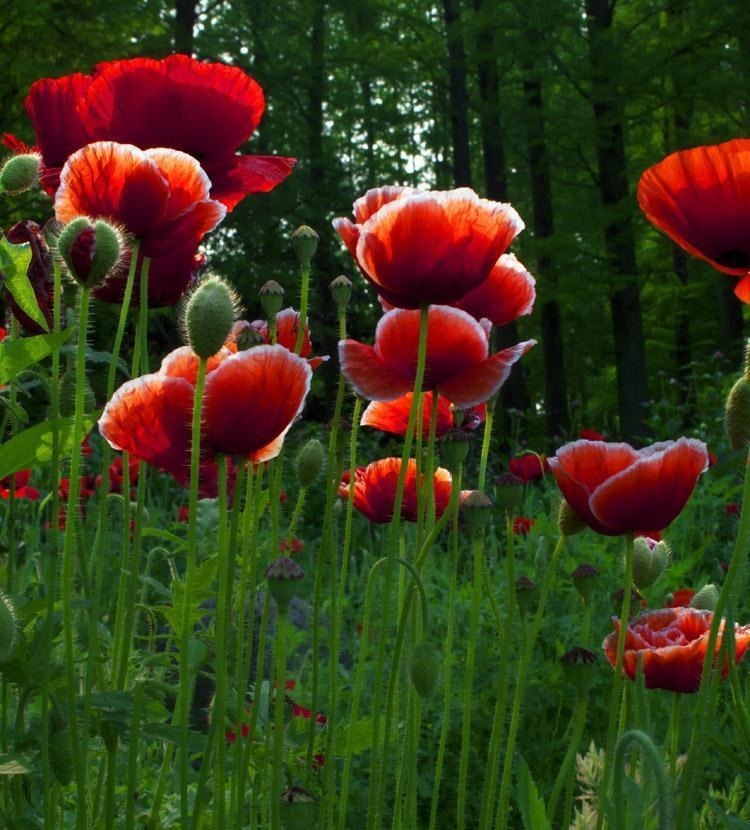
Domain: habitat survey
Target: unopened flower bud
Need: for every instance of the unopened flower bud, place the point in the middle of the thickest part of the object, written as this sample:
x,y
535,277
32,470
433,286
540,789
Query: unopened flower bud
x,y
737,416
244,335
476,508
424,668
20,173
526,590
305,243
649,560
706,598
454,447
508,491
310,462
568,521
341,291
209,315
283,574
584,578
89,250
577,664
271,298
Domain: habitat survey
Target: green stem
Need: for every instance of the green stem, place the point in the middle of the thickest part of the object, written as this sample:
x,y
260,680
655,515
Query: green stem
x,y
278,715
578,722
659,777
674,735
486,439
303,301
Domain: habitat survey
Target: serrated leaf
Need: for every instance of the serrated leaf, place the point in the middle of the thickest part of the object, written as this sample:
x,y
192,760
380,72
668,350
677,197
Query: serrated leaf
x,y
14,263
157,586
530,804
33,446
17,355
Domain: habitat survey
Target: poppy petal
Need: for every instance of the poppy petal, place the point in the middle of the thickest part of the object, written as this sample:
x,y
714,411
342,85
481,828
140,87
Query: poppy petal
x,y
184,230
368,375
650,493
234,177
187,180
376,197
252,398
149,417
742,289
183,363
393,416
507,294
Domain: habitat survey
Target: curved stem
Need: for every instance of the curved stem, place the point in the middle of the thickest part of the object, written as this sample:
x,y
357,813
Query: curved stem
x,y
657,768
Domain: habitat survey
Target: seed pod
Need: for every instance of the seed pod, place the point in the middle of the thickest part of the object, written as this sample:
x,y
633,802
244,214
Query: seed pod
x,y
271,298
305,241
283,574
341,291
737,417
424,668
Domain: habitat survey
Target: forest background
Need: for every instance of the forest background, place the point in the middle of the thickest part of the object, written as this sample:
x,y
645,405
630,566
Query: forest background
x,y
554,105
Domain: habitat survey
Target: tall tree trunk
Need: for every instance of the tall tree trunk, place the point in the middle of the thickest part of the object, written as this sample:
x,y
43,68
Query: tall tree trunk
x,y
619,242
513,394
458,94
185,15
555,388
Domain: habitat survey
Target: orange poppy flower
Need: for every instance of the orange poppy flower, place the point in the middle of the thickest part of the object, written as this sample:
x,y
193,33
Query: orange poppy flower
x,y
458,365
160,196
393,416
375,490
250,401
616,489
671,645
700,199
427,247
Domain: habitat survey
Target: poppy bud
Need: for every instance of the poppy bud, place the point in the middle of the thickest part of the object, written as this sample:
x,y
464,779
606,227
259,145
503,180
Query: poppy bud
x,y
424,668
90,250
341,291
737,417
282,575
649,560
706,598
526,590
244,335
309,462
209,315
476,508
577,664
8,626
298,809
271,298
584,578
568,521
508,491
20,173
305,243
454,447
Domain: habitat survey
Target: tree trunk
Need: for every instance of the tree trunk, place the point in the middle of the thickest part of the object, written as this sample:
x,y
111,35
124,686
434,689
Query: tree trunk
x,y
185,15
458,94
619,242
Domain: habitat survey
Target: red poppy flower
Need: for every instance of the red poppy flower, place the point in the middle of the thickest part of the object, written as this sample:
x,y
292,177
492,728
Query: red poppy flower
x,y
616,489
159,195
671,644
291,546
86,487
116,473
250,401
287,324
732,509
591,435
712,459
183,513
23,490
680,598
205,109
507,294
528,467
230,736
375,490
458,365
427,247
700,198
393,416
300,712
522,526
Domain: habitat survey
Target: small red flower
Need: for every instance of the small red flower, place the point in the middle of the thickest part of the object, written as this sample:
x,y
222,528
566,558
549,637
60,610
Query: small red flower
x,y
23,490
699,198
250,401
183,513
712,459
732,509
521,526
205,109
393,416
591,435
528,467
616,489
287,324
681,597
300,712
671,645
427,247
230,736
116,473
458,365
291,546
375,490
161,196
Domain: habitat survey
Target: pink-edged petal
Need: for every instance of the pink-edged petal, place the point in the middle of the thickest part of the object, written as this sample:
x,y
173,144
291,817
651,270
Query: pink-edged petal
x,y
478,383
187,180
376,197
149,417
393,416
185,230
651,492
234,177
252,398
183,363
349,233
369,376
507,294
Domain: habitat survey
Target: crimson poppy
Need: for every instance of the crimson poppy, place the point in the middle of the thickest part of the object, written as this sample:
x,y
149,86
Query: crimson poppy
x,y
591,435
700,199
250,401
300,712
420,247
522,526
393,416
679,598
287,325
23,490
161,196
205,109
374,490
732,509
670,644
616,489
458,363
528,467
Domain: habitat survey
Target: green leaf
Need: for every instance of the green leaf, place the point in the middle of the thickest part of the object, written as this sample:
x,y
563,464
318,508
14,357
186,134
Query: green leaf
x,y
16,355
14,263
13,765
33,446
530,803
